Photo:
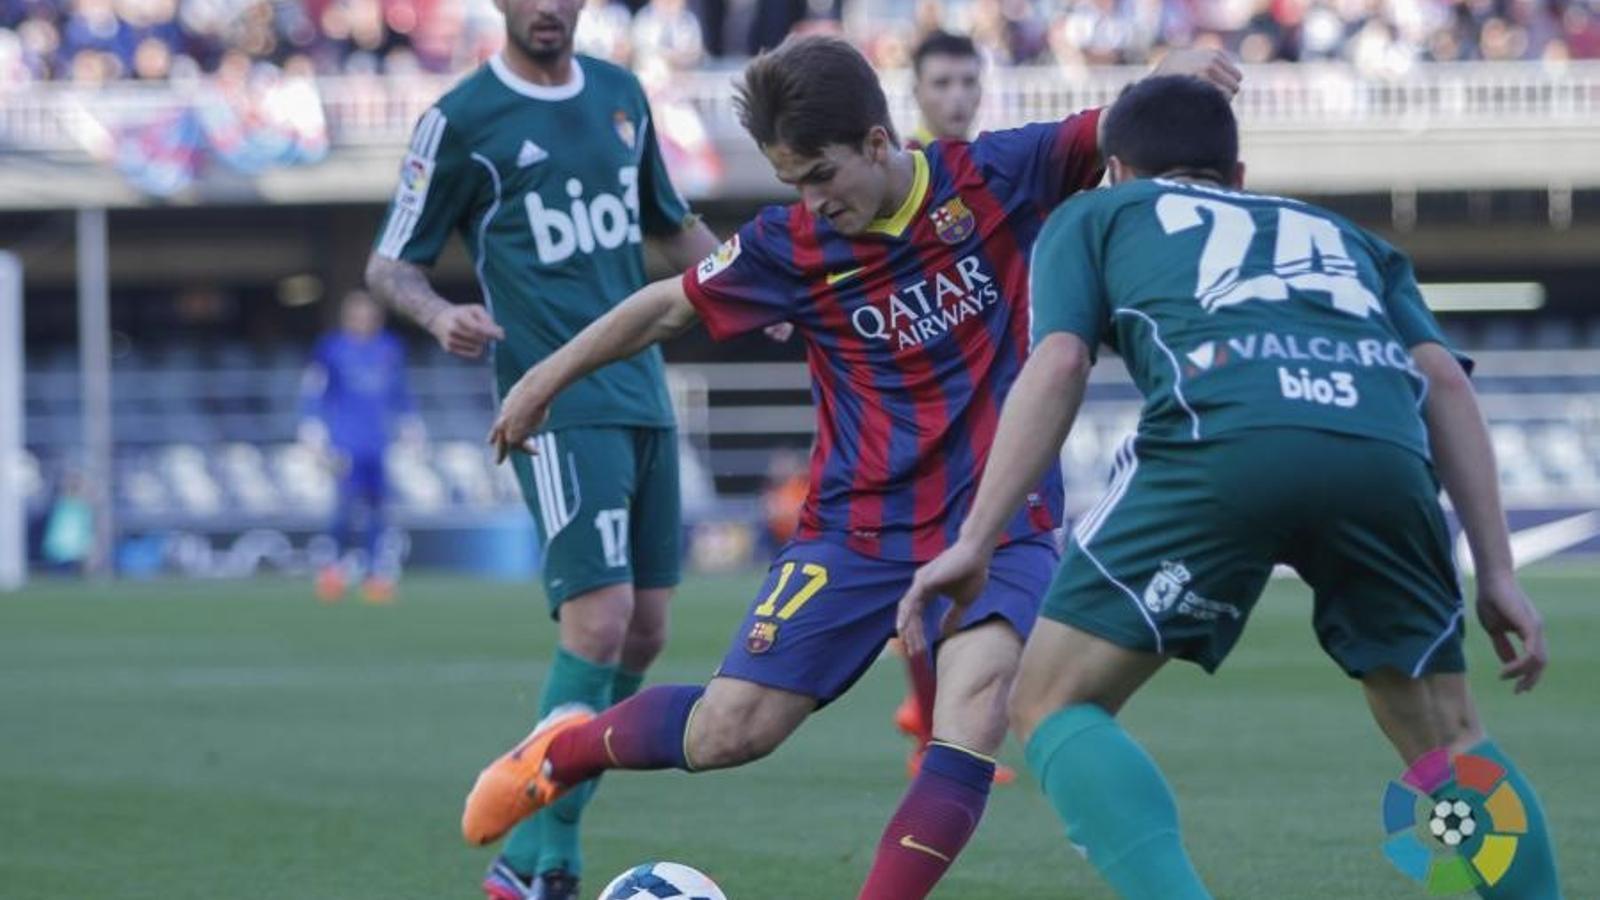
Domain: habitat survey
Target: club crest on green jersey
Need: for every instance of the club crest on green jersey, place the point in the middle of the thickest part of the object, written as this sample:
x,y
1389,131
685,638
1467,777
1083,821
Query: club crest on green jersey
x,y
626,132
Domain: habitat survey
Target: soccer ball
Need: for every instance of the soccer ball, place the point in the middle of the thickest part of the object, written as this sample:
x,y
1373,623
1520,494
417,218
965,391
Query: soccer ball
x,y
662,881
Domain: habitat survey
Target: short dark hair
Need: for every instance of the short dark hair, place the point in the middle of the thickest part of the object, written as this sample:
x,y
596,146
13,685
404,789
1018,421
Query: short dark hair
x,y
941,43
810,92
1170,123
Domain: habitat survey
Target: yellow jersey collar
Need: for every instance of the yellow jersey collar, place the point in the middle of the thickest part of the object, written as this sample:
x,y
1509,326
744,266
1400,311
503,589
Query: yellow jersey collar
x,y
896,225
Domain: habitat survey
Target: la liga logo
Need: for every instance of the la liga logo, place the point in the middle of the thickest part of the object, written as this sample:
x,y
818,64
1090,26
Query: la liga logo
x,y
1453,822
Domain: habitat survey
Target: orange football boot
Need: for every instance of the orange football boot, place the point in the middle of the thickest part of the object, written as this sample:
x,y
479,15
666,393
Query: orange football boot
x,y
330,584
516,785
377,591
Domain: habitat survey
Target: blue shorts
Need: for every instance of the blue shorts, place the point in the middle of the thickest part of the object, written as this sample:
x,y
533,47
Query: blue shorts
x,y
824,612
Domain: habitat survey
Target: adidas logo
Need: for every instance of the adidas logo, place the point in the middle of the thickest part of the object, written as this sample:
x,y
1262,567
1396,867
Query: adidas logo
x,y
531,153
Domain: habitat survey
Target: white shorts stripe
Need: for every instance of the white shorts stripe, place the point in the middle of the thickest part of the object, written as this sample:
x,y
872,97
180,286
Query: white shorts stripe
x,y
541,484
1128,464
552,457
1094,511
1455,619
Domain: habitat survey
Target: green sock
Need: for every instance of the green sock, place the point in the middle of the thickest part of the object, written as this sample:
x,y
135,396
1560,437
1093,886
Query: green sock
x,y
625,684
549,840
1532,875
1117,807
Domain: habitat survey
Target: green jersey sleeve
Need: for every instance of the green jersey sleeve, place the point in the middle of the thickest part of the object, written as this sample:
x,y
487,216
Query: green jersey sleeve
x,y
1405,307
1065,288
663,210
1402,299
438,181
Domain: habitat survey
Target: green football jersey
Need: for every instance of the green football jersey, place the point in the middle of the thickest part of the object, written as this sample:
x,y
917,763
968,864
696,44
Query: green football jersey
x,y
553,190
1235,310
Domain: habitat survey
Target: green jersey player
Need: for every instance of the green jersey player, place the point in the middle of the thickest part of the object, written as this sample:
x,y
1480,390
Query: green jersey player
x,y
546,164
1300,404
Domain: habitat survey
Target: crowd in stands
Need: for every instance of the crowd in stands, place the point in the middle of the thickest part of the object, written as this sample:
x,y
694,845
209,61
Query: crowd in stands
x,y
94,41
98,40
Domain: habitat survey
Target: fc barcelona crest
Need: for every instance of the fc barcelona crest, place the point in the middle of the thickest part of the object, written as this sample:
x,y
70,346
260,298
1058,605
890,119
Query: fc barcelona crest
x,y
626,132
953,222
763,635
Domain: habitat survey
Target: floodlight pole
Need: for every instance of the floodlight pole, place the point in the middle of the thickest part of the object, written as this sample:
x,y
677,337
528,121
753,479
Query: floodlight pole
x,y
94,367
13,521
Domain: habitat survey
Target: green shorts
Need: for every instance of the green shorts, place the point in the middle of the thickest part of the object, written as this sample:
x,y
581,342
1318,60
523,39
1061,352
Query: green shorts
x,y
605,502
1176,554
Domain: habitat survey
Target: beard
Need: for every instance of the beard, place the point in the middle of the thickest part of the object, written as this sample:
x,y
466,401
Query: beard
x,y
540,51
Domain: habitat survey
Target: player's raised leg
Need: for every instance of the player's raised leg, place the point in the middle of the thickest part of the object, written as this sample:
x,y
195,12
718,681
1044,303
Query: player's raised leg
x,y
692,728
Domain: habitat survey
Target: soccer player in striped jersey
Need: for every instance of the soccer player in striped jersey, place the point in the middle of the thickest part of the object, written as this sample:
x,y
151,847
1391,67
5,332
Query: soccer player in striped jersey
x,y
1302,408
905,272
546,163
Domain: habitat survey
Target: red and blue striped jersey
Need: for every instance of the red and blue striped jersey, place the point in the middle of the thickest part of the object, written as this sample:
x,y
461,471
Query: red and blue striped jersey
x,y
915,331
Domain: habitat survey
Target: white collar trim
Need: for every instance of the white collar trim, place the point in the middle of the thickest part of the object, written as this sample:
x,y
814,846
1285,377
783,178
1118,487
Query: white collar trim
x,y
526,88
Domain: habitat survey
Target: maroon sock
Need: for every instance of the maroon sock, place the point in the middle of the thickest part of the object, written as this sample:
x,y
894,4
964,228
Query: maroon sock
x,y
939,812
644,731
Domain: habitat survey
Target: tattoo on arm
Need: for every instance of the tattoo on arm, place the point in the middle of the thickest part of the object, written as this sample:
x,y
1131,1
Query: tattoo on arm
x,y
404,286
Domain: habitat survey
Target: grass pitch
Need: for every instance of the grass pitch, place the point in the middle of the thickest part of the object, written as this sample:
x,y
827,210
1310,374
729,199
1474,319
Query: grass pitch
x,y
236,740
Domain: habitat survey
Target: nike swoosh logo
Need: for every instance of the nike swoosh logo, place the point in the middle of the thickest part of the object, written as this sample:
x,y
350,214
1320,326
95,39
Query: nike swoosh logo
x,y
1540,542
911,843
834,278
606,739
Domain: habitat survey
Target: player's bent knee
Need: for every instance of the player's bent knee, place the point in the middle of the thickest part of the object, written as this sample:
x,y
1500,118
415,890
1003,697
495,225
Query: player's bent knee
x,y
738,722
640,650
595,625
720,740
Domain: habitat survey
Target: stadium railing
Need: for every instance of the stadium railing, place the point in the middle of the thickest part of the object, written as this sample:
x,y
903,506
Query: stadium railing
x,y
1487,120
50,117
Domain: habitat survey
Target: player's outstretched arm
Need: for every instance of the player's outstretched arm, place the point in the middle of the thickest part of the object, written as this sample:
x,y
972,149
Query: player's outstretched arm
x,y
1464,459
1037,416
652,314
464,329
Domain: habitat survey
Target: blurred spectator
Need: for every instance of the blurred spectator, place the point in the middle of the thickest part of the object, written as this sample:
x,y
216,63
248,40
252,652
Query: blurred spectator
x,y
605,31
94,41
667,32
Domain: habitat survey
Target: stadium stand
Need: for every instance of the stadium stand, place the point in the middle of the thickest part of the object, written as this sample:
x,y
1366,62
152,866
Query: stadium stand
x,y
218,442
1389,106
